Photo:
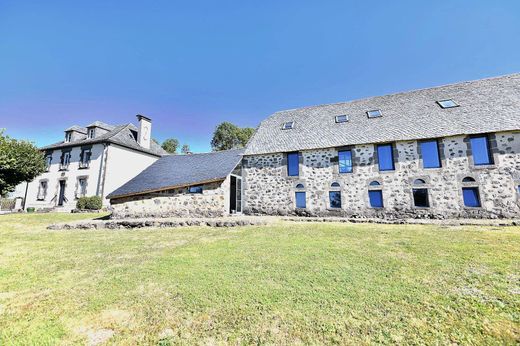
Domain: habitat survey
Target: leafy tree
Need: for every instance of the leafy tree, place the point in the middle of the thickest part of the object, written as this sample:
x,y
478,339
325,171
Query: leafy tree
x,y
229,136
19,161
171,145
185,149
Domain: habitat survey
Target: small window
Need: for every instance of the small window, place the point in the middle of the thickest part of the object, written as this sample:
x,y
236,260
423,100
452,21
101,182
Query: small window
x,y
419,182
334,184
471,197
447,103
91,133
385,157
430,154
376,198
288,125
300,186
341,118
42,190
48,161
480,151
335,199
468,180
300,200
293,164
374,183
68,136
195,189
82,187
376,113
420,198
345,161
518,189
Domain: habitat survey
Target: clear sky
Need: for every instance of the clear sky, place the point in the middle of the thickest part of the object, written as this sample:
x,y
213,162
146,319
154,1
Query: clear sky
x,y
192,64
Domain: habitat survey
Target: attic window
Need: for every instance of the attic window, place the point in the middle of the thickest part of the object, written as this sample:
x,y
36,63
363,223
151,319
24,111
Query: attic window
x,y
341,118
447,103
288,125
376,113
68,136
91,132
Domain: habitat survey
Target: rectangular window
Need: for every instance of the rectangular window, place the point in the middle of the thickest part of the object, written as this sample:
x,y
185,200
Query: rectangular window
x,y
68,136
376,198
288,125
385,157
195,189
471,197
91,133
376,113
293,164
48,161
82,187
447,103
420,198
341,118
345,161
42,190
480,151
300,200
84,158
335,199
430,154
65,160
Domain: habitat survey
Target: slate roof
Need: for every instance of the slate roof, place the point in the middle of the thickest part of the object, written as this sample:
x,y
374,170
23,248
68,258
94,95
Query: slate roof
x,y
77,128
486,105
172,171
120,134
102,125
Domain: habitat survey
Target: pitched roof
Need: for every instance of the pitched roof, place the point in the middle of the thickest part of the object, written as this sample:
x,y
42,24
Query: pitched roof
x,y
120,134
101,124
172,171
77,128
486,105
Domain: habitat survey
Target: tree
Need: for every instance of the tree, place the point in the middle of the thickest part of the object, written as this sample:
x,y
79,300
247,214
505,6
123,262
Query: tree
x,y
171,145
229,136
186,149
19,161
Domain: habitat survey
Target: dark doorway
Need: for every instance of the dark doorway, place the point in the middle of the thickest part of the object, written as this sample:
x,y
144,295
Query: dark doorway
x,y
235,195
61,197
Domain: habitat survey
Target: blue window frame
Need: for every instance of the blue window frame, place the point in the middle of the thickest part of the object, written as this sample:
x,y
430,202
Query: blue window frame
x,y
471,197
345,161
293,166
385,157
195,189
430,154
335,199
301,200
480,151
376,198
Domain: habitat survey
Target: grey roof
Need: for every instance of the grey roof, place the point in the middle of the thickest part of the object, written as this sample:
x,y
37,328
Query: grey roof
x,y
181,170
77,128
486,105
101,124
120,135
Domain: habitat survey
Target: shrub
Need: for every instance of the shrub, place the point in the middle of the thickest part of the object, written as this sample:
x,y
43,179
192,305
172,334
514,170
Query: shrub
x,y
30,210
89,203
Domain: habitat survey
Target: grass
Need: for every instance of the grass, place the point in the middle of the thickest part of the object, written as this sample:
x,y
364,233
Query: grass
x,y
283,284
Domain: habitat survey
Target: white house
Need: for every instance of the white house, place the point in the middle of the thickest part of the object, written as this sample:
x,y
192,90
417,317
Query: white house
x,y
92,161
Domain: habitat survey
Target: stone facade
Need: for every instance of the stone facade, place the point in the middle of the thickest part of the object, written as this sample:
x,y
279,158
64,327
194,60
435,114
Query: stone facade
x,y
178,202
269,190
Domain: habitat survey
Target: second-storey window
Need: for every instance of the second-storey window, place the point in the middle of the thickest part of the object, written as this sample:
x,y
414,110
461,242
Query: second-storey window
x,y
293,164
345,161
385,157
84,158
195,189
430,154
48,161
65,160
480,150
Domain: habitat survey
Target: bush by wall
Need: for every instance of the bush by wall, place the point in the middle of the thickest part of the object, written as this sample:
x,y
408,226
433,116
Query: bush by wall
x,y
89,203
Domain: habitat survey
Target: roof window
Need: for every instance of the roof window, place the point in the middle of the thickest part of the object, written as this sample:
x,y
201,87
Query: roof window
x,y
288,125
447,103
341,118
376,113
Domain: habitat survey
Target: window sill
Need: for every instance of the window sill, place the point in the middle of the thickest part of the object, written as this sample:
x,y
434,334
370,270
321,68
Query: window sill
x,y
377,207
387,171
63,169
40,199
491,166
334,209
86,167
472,208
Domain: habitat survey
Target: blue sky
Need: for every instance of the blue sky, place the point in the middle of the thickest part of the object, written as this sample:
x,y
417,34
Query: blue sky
x,y
192,64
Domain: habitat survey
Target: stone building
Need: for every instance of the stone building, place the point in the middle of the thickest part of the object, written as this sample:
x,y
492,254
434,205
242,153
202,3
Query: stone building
x,y
449,151
194,185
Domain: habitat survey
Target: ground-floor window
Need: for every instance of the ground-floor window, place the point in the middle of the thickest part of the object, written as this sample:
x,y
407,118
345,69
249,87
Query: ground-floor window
x,y
301,202
195,189
376,198
471,197
335,199
42,190
420,198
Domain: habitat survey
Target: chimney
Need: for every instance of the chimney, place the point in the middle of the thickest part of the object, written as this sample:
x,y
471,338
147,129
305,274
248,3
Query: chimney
x,y
145,131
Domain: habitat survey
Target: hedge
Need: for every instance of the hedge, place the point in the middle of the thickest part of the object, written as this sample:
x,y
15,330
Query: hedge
x,y
89,203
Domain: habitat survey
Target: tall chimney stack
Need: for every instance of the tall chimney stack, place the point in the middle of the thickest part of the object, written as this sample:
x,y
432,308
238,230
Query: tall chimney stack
x,y
145,131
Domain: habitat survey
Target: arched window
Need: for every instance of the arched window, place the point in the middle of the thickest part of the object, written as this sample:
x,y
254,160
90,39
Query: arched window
x,y
468,180
300,186
334,184
374,183
419,182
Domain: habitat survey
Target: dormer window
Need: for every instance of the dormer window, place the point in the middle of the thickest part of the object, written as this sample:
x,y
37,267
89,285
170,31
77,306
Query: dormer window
x,y
447,103
68,136
288,125
341,118
376,113
91,133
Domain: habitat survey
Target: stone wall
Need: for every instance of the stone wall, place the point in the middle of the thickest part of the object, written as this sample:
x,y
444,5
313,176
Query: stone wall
x,y
212,202
268,189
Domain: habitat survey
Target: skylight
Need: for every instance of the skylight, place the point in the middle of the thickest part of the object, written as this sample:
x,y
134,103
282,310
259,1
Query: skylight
x,y
447,103
341,118
376,113
288,125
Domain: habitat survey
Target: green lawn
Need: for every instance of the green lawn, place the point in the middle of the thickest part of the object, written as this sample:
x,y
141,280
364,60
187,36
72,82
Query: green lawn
x,y
283,284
